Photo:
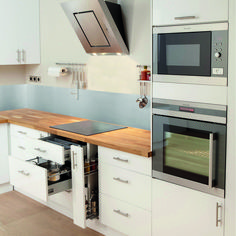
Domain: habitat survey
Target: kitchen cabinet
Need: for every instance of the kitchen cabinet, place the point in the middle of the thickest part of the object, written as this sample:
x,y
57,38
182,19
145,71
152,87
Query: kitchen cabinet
x,y
34,155
178,211
4,169
171,12
20,39
125,191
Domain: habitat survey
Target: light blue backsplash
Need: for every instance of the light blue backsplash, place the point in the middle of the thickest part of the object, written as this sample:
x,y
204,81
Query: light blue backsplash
x,y
94,105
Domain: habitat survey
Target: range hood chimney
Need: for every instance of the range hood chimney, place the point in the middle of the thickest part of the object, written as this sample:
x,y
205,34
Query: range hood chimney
x,y
98,24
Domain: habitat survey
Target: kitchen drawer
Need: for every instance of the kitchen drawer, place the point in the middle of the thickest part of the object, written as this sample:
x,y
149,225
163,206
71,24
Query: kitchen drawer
x,y
125,185
51,150
22,132
33,179
125,160
121,216
21,147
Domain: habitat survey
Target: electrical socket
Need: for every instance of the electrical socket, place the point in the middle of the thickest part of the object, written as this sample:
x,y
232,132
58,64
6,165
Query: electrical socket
x,y
34,78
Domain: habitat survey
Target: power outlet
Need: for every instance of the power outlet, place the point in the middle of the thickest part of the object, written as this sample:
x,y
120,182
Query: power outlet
x,y
35,79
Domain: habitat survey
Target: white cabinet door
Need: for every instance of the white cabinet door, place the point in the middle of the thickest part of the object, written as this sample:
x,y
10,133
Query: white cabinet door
x,y
28,33
4,168
8,35
181,211
171,12
77,162
19,25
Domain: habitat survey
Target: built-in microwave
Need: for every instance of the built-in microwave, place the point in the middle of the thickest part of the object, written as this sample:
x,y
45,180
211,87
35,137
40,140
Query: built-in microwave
x,y
189,144
195,54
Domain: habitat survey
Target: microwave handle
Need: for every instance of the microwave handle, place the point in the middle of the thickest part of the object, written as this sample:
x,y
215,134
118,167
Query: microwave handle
x,y
185,17
211,158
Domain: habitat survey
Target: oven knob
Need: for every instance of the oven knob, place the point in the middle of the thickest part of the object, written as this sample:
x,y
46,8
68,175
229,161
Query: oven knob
x,y
217,54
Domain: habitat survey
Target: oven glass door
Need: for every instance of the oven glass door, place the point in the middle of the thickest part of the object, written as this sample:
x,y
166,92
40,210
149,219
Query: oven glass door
x,y
183,53
189,149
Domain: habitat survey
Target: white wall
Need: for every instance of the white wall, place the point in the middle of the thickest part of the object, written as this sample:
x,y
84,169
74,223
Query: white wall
x,y
12,75
119,74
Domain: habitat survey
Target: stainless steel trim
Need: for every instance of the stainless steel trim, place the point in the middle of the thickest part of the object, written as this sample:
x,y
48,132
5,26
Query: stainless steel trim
x,y
23,55
211,143
121,213
185,79
119,159
190,28
188,183
189,104
121,180
218,206
21,147
192,116
22,132
185,17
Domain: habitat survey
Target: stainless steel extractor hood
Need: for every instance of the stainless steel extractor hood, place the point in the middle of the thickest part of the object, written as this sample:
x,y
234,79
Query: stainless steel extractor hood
x,y
98,25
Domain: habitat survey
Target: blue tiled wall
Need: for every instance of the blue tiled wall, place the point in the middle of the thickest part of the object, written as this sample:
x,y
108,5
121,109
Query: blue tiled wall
x,y
101,106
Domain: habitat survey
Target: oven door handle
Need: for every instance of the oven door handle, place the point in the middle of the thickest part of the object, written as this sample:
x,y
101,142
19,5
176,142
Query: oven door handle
x,y
211,159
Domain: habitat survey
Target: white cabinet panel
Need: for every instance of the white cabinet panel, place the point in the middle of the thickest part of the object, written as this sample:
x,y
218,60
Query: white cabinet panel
x,y
125,218
125,185
30,178
4,168
19,24
171,12
179,211
125,160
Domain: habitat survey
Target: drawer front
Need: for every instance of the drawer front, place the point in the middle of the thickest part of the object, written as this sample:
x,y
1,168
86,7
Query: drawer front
x,y
30,178
132,221
125,185
22,132
125,160
48,151
21,148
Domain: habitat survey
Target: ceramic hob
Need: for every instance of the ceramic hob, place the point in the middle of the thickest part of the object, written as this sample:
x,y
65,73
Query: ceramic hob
x,y
88,127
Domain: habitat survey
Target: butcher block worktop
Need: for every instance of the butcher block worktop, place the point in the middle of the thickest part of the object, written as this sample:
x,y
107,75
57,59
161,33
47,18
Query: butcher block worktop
x,y
132,140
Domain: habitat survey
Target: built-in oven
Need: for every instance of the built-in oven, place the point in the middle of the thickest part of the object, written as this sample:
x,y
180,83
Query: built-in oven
x,y
195,54
189,144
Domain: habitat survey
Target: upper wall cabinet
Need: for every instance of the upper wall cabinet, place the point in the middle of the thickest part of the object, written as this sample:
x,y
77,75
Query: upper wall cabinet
x,y
172,12
19,25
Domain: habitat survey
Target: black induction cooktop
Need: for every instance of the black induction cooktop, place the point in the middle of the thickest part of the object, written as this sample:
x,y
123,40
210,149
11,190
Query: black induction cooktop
x,y
88,127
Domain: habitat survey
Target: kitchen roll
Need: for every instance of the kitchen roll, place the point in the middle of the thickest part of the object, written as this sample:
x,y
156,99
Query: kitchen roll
x,y
57,71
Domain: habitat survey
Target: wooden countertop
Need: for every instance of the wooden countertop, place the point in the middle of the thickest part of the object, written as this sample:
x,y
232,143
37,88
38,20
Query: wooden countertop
x,y
132,140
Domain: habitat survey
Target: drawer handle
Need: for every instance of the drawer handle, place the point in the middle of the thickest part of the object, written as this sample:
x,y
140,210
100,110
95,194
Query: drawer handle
x,y
40,150
22,132
119,159
21,147
218,220
121,180
185,17
121,213
23,172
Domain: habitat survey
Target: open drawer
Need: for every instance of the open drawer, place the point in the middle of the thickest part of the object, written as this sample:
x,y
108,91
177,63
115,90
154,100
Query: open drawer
x,y
37,179
52,148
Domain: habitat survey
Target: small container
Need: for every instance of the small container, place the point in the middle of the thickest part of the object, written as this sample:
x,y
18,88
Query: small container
x,y
93,165
145,73
87,166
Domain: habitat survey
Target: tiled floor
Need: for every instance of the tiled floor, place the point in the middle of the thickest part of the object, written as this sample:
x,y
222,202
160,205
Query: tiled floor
x,y
22,216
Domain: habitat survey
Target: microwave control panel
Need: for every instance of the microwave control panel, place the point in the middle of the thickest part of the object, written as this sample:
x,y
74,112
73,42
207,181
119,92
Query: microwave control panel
x,y
219,54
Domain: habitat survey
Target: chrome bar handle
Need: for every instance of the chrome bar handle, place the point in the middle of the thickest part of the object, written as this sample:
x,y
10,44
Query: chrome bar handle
x,y
218,221
185,17
23,55
211,147
21,147
119,159
121,180
22,132
73,157
121,213
40,150
18,55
